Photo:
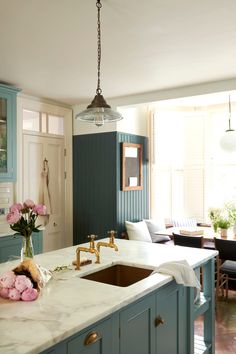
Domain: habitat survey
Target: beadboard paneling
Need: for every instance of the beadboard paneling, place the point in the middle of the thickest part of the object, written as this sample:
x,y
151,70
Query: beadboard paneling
x,y
132,205
99,203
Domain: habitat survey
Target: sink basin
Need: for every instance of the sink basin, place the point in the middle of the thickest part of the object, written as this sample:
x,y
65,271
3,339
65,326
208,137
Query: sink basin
x,y
119,275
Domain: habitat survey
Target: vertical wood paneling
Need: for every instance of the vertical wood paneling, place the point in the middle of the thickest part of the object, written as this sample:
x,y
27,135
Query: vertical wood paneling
x,y
94,192
99,203
132,205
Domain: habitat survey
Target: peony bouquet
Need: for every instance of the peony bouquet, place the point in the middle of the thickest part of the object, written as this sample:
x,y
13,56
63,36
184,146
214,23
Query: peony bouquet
x,y
24,282
22,217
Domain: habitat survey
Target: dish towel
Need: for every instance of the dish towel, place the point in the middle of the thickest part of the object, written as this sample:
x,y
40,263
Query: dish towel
x,y
181,271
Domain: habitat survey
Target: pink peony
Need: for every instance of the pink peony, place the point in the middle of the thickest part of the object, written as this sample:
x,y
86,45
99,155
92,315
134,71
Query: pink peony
x,y
29,203
29,294
13,217
22,283
16,206
14,294
40,209
7,280
4,293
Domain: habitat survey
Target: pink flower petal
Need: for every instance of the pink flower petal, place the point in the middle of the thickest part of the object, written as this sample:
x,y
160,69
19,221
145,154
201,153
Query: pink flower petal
x,y
29,294
4,293
22,283
7,280
14,294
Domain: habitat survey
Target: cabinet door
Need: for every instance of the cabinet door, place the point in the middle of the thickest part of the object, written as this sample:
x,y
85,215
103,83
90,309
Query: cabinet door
x,y
7,133
137,329
10,246
97,340
170,321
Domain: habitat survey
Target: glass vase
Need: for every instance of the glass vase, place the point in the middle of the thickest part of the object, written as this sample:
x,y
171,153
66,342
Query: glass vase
x,y
215,227
27,250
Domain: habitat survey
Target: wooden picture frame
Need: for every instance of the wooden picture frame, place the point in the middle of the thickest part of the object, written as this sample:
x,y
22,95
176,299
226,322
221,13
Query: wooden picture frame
x,y
132,174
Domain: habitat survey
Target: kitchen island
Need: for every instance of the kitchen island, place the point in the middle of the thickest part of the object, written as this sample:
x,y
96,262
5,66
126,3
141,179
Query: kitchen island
x,y
69,308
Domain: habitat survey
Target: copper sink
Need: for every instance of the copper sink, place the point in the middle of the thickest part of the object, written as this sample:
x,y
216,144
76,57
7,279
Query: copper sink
x,y
119,275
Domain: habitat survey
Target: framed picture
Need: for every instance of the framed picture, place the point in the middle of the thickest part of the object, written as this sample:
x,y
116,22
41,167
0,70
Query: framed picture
x,y
132,178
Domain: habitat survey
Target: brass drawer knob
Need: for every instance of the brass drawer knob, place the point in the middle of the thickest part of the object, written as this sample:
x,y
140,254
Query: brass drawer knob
x,y
159,321
91,338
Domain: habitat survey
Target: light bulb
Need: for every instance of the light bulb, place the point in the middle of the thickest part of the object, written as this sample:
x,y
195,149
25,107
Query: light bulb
x,y
99,117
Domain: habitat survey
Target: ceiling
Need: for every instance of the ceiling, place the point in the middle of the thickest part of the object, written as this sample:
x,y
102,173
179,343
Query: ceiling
x,y
49,47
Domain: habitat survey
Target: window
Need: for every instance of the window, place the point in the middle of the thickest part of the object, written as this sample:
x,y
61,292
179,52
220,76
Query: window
x,y
43,123
190,172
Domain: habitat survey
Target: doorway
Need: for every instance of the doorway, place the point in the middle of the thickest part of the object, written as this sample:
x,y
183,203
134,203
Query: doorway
x,y
47,137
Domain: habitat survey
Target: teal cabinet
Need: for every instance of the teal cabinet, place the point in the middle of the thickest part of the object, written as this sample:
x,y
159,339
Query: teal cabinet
x,y
97,339
171,320
155,325
7,133
137,330
10,246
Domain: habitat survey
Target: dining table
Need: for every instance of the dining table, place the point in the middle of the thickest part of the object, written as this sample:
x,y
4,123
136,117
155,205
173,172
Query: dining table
x,y
207,232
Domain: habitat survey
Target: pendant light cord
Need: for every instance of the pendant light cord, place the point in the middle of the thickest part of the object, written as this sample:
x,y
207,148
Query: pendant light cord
x,y
229,114
99,5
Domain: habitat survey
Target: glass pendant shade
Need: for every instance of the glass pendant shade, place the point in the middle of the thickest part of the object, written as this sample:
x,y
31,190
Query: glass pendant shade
x,y
228,141
99,112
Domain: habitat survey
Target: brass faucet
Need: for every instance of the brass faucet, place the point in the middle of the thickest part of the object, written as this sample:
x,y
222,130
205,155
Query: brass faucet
x,y
91,249
111,243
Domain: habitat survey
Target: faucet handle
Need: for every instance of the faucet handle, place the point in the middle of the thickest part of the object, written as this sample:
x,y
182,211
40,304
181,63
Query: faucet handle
x,y
92,238
111,235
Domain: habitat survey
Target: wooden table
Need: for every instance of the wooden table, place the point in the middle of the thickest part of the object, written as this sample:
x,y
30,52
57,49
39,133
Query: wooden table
x,y
208,234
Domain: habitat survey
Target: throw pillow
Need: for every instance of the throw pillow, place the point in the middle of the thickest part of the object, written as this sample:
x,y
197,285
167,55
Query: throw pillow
x,y
155,226
138,231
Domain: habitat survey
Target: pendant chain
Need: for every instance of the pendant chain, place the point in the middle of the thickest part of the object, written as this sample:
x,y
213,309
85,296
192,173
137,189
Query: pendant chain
x,y
99,5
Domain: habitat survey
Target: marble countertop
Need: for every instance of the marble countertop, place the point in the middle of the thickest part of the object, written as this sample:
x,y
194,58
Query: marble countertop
x,y
69,304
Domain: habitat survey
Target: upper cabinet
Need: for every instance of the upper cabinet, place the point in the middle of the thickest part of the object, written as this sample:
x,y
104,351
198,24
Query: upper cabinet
x,y
8,133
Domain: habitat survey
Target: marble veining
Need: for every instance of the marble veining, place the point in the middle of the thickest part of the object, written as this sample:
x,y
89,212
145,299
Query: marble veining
x,y
69,304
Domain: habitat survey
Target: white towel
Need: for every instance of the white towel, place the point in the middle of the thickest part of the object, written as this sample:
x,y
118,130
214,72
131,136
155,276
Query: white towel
x,y
181,271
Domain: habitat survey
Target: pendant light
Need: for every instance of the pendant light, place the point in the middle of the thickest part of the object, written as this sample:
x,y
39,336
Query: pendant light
x,y
99,112
228,140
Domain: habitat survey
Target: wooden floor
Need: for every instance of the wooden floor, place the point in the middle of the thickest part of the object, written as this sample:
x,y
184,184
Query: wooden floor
x,y
225,329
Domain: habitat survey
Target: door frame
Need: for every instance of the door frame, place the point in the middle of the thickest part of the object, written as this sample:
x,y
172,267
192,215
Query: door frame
x,y
54,108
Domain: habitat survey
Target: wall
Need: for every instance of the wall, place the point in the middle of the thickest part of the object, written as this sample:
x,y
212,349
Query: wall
x,y
99,203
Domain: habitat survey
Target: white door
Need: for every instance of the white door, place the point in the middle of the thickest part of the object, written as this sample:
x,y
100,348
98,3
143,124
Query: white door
x,y
35,150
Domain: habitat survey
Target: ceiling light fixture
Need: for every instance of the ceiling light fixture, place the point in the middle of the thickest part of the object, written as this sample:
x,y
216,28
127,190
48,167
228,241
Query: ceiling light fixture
x,y
99,111
228,140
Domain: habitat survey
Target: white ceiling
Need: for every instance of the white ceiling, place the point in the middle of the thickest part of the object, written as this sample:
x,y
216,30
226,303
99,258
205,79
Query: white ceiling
x,y
48,48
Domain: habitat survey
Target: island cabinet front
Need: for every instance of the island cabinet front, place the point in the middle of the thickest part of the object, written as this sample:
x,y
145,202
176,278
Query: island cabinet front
x,y
97,339
156,324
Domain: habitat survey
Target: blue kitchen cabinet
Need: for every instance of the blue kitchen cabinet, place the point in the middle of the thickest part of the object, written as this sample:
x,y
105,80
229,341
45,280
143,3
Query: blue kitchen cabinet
x,y
171,320
97,339
155,325
10,246
137,330
8,133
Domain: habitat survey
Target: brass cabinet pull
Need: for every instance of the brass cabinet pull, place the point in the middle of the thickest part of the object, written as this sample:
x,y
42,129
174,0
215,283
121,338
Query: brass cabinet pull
x,y
158,321
91,338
